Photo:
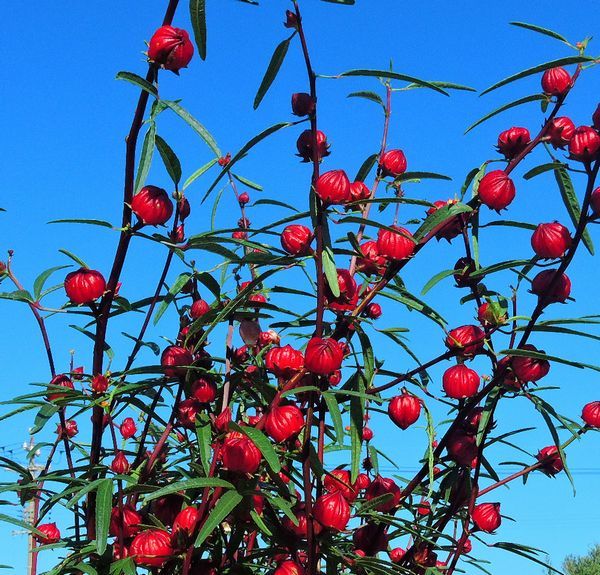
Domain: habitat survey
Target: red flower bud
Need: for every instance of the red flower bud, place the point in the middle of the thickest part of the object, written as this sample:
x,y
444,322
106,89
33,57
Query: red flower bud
x,y
173,359
152,205
373,311
397,244
204,390
224,160
491,314
462,448
384,486
551,240
284,422
151,548
591,414
370,538
222,421
595,202
129,522
467,546
393,163
120,464
128,428
335,377
453,227
84,286
240,454
302,104
463,269
296,239
240,235
288,568
243,198
466,340
560,131
397,554
71,429
199,309
291,21
49,534
332,511
339,480
284,361
486,517
404,410
560,290
371,262
323,356
184,208
77,373
187,410
185,523
304,145
333,187
362,481
550,459
513,141
170,48
556,81
367,434
424,508
530,368
60,380
496,190
460,382
359,191
584,144
348,296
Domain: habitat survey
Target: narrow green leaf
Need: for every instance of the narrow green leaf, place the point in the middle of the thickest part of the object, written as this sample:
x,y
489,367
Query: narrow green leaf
x,y
540,355
346,2
542,169
436,279
177,286
270,202
421,176
199,172
438,217
204,435
22,524
76,259
139,82
513,104
366,168
103,510
100,223
84,491
42,417
38,284
198,18
394,76
248,182
541,30
272,69
18,295
372,96
336,416
262,442
330,271
539,68
188,485
145,158
194,124
226,504
170,160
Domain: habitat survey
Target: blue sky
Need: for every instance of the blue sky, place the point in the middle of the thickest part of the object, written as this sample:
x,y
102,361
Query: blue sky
x,y
64,119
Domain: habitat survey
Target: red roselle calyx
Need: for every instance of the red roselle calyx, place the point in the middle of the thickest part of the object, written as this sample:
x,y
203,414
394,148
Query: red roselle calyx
x,y
513,141
530,368
58,381
492,314
453,227
204,390
370,538
359,191
128,428
496,190
70,430
333,187
393,163
120,464
373,311
371,262
304,145
284,361
99,383
240,454
296,240
348,296
463,270
185,523
170,48
384,486
396,244
288,568
595,202
460,382
591,414
199,309
550,459
339,480
560,131
303,104
332,511
84,286
128,522
323,356
466,341
151,548
49,534
486,517
152,205
404,410
561,286
284,422
556,81
551,240
173,360
585,144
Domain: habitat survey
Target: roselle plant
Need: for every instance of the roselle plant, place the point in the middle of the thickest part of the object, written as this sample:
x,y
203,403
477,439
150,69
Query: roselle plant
x,y
217,457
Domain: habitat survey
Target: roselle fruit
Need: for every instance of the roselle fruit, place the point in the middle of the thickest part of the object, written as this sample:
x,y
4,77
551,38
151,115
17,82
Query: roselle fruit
x,y
126,522
120,464
393,163
396,244
151,548
71,429
348,297
152,205
339,480
460,382
199,309
57,381
323,356
383,486
284,361
530,368
561,288
204,390
453,227
240,454
556,81
303,104
463,268
99,383
332,511
551,240
585,144
173,359
371,261
359,191
486,517
84,286
550,459
462,448
513,141
397,554
371,538
496,190
187,410
170,48
560,131
304,145
284,422
49,534
333,187
296,240
127,428
404,410
288,567
185,524
466,340
591,414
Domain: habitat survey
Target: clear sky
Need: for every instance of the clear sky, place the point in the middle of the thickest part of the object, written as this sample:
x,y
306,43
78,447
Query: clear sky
x,y
64,118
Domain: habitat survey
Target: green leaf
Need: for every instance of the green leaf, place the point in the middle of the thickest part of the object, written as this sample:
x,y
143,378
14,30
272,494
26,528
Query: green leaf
x,y
513,104
100,223
145,158
199,172
541,30
356,426
366,168
139,82
198,18
272,69
177,286
346,2
42,417
84,491
248,182
569,197
394,76
448,85
18,295
269,202
421,176
436,279
226,504
336,416
244,150
38,284
103,510
188,485
330,271
170,160
542,169
262,442
439,216
372,96
540,355
539,68
203,433
76,259
195,125
22,524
